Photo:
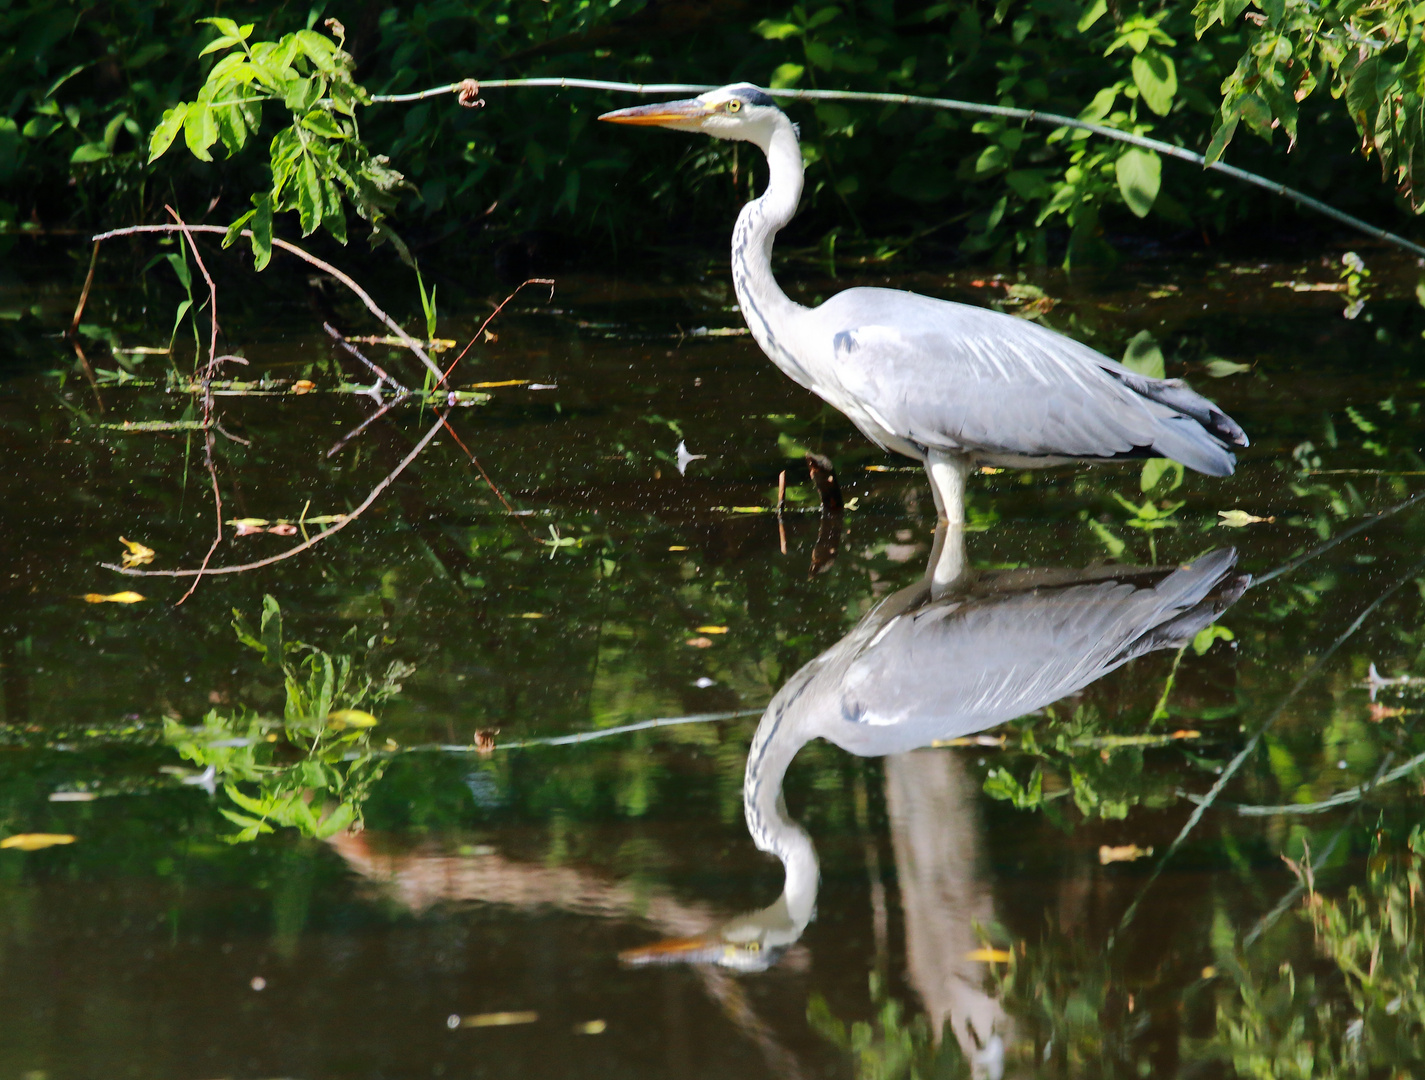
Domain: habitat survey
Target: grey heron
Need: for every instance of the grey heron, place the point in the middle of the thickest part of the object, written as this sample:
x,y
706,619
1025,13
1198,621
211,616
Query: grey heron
x,y
926,665
950,385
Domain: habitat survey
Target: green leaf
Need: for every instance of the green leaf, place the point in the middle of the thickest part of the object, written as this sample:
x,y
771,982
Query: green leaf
x,y
786,76
309,195
180,268
1144,356
227,27
183,306
89,152
340,818
166,131
776,30
1207,635
1220,369
218,44
1095,11
1163,471
272,646
262,231
821,54
235,230
822,17
1140,173
1115,546
199,130
1100,106
1157,79
1221,137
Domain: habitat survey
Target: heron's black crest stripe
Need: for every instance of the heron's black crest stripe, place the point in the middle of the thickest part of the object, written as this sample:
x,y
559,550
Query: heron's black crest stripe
x,y
753,95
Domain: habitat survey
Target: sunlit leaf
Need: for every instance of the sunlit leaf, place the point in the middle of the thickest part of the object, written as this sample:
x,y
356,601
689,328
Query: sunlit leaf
x,y
166,131
990,956
345,718
1144,356
1236,519
137,554
1157,80
1121,853
35,841
1220,369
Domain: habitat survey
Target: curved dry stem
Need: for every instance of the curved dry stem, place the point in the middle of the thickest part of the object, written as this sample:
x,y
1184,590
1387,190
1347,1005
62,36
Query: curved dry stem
x,y
305,545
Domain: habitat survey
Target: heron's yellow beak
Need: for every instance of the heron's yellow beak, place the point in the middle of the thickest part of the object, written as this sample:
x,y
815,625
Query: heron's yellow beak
x,y
703,949
674,114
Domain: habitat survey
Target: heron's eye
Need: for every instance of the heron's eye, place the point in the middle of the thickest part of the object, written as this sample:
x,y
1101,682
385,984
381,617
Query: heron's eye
x,y
734,105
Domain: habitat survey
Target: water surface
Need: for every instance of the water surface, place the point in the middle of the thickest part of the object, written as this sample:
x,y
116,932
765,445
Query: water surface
x,y
1034,879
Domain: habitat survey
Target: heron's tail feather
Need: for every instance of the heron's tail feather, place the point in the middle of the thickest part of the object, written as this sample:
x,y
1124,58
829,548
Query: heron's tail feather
x,y
1184,439
1204,431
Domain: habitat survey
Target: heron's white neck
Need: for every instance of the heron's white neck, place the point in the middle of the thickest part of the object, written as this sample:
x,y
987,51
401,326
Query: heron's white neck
x,y
768,311
778,738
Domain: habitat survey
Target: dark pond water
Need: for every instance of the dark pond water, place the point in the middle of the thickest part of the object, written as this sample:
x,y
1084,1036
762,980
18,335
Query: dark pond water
x,y
1041,895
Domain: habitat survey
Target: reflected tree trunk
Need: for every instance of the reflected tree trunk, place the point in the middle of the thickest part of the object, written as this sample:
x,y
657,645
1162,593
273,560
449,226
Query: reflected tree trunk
x,y
935,830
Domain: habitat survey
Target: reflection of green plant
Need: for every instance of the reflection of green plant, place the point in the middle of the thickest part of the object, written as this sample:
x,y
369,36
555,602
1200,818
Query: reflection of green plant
x,y
313,768
1079,757
1289,1025
890,1047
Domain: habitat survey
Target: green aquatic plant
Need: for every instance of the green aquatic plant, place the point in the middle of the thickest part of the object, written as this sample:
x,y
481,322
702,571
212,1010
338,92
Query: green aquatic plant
x,y
313,768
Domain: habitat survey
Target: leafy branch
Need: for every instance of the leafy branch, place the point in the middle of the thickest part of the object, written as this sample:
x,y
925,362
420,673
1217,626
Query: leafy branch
x,y
318,160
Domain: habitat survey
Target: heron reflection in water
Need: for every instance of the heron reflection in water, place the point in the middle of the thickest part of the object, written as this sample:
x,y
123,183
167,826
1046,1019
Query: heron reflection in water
x,y
950,385
930,664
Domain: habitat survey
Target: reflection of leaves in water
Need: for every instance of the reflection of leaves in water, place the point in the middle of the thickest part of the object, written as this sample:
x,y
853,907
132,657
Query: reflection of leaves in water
x,y
891,1046
312,769
1368,1014
1080,757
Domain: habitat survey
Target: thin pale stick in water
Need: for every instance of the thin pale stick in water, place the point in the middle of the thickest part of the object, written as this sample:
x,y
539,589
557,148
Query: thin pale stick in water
x,y
321,264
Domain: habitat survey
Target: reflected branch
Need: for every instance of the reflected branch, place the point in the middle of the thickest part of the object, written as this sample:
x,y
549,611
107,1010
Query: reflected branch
x,y
305,545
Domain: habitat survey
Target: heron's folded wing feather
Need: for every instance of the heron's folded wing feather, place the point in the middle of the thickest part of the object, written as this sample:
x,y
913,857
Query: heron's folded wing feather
x,y
951,377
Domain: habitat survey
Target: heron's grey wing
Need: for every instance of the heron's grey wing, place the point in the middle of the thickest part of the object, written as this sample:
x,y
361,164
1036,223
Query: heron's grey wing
x,y
953,377
954,668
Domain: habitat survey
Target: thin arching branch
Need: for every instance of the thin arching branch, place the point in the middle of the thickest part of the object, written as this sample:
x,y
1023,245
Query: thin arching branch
x,y
1032,116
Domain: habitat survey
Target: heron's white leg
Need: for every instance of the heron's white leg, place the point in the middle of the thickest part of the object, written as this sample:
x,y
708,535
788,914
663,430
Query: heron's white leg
x,y
948,563
947,473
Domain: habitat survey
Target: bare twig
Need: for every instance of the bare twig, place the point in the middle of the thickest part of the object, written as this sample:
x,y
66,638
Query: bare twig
x,y
321,264
491,318
382,411
1031,116
84,293
476,462
208,420
314,541
374,368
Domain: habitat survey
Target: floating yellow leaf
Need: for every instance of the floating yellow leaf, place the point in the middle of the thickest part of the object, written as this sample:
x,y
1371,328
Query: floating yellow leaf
x,y
126,597
33,841
345,718
1122,853
712,629
495,385
1236,519
530,615
303,386
677,547
591,1027
137,555
989,956
498,1019
700,642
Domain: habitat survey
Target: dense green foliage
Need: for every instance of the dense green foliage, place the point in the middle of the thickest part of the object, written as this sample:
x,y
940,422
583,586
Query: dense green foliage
x,y
90,92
